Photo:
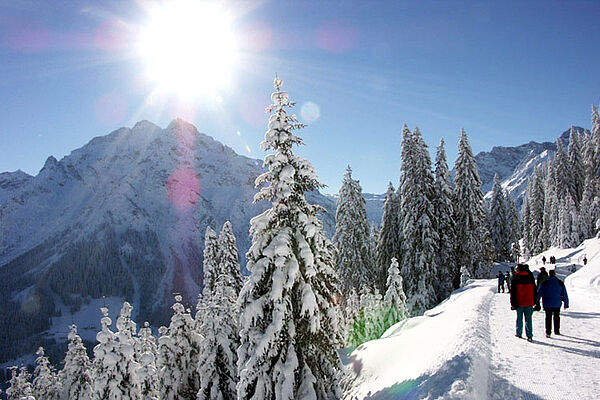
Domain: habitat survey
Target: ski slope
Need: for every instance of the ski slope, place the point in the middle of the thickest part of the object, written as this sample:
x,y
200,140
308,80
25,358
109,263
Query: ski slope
x,y
465,348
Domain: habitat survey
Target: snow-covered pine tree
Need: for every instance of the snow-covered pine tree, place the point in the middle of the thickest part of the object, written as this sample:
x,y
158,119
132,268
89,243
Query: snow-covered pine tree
x,y
76,375
514,222
106,357
169,375
562,171
217,363
45,379
550,200
595,167
354,258
565,223
211,262
394,300
387,245
228,257
147,372
289,328
373,239
19,384
465,276
185,341
351,310
499,223
420,240
448,272
473,248
125,370
536,211
577,168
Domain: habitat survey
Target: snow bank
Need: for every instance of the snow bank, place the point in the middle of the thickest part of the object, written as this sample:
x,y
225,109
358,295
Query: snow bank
x,y
444,353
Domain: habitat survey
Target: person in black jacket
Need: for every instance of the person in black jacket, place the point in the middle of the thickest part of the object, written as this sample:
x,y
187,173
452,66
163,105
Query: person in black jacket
x,y
500,281
522,299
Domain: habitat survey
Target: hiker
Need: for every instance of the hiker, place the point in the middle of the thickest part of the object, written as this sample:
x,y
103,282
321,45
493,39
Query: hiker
x,y
584,260
542,276
522,299
552,260
544,260
507,279
553,293
500,281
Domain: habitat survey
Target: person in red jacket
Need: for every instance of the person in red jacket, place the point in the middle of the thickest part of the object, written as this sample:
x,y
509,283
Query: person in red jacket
x,y
522,299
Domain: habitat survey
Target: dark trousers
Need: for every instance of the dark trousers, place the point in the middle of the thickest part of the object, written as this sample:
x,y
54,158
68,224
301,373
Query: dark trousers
x,y
501,285
552,313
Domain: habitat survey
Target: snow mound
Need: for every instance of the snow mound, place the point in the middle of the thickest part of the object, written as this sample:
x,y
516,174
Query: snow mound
x,y
443,353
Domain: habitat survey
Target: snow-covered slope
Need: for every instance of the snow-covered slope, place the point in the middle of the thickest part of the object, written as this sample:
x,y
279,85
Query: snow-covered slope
x,y
123,216
465,348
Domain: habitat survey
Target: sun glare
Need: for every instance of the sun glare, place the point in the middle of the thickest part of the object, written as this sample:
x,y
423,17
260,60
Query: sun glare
x,y
188,47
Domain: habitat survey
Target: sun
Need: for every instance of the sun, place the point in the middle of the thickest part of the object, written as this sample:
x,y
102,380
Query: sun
x,y
188,47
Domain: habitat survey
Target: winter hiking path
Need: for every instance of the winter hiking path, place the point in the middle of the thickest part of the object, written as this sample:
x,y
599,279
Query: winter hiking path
x,y
559,367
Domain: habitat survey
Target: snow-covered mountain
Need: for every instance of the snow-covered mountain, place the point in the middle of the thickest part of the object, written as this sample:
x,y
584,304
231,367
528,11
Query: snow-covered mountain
x,y
514,165
123,216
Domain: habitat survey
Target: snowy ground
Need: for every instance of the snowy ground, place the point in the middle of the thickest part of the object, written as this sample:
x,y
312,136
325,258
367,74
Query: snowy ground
x,y
466,349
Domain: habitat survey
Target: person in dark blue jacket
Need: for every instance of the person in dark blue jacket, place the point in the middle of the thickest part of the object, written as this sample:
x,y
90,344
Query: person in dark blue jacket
x,y
553,293
500,281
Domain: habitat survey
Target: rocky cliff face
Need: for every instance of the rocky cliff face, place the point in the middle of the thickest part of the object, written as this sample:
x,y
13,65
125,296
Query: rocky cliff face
x,y
514,165
124,216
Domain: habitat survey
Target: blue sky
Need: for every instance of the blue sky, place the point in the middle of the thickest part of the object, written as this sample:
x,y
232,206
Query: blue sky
x,y
508,72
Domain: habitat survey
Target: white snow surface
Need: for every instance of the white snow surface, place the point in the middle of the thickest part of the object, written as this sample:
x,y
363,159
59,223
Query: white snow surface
x,y
465,348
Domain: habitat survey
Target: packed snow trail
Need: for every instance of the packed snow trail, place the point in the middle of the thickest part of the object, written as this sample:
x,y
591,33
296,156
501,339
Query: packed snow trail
x,y
465,348
559,367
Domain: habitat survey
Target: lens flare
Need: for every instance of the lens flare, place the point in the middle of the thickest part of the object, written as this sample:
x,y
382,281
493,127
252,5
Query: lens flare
x,y
310,112
183,188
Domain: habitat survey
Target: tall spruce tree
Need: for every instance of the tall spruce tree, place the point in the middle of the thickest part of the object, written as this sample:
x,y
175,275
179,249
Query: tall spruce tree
x,y
105,369
420,240
76,374
577,168
352,236
448,271
289,329
19,385
45,380
211,261
217,363
387,245
394,300
147,372
473,248
499,223
228,258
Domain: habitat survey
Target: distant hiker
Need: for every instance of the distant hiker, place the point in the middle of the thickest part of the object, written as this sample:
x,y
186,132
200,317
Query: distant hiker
x,y
542,276
500,281
552,260
544,260
507,279
553,293
522,299
584,260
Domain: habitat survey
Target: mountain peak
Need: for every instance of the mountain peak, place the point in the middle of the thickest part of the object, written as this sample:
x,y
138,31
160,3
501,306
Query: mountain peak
x,y
144,125
181,124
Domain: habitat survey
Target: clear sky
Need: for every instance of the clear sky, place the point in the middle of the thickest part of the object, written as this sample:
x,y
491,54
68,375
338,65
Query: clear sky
x,y
507,71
